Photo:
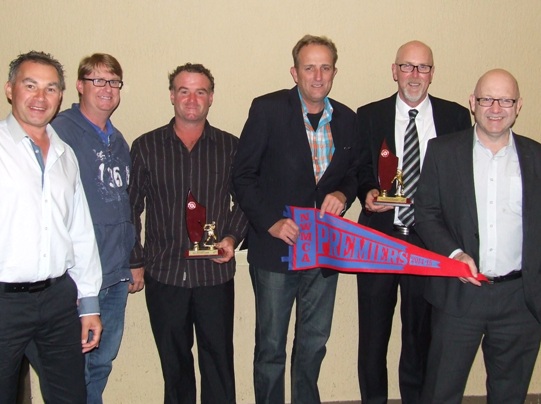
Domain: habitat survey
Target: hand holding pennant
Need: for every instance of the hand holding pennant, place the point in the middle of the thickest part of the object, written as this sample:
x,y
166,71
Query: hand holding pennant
x,y
337,243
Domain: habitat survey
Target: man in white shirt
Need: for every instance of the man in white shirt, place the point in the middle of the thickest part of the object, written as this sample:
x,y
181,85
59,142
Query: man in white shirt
x,y
50,272
477,202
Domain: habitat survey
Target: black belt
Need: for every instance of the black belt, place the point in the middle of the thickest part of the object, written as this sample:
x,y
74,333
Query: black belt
x,y
30,287
504,278
403,230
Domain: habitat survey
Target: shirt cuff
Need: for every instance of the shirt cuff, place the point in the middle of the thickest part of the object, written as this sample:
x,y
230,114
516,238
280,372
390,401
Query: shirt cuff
x,y
88,305
455,253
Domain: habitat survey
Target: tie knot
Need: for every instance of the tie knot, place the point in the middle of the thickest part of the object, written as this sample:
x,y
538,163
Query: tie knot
x,y
413,113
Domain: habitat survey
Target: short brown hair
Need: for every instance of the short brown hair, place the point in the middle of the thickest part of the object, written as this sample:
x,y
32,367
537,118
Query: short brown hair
x,y
314,40
191,68
90,63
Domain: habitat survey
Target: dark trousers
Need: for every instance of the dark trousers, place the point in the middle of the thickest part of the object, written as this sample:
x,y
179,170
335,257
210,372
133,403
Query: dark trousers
x,y
377,297
174,313
48,318
509,336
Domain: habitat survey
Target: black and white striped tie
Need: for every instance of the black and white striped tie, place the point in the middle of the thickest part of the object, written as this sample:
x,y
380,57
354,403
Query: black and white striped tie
x,y
411,167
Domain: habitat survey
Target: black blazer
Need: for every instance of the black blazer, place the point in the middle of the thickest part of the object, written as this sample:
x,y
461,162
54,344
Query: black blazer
x,y
446,216
273,168
377,122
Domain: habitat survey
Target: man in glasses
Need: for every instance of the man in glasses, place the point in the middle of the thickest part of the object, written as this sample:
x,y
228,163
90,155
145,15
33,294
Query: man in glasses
x,y
50,272
389,121
477,202
104,160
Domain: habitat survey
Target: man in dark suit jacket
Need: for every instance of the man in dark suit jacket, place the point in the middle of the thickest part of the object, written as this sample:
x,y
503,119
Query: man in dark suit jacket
x,y
386,121
299,148
477,202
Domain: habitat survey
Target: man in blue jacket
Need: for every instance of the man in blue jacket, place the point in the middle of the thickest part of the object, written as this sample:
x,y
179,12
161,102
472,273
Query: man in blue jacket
x,y
298,147
104,160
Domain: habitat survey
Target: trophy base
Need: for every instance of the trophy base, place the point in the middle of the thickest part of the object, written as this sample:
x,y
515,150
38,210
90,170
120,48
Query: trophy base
x,y
204,254
400,201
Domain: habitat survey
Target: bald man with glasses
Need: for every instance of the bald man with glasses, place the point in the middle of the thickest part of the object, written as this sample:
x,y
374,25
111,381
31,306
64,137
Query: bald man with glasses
x,y
411,110
477,202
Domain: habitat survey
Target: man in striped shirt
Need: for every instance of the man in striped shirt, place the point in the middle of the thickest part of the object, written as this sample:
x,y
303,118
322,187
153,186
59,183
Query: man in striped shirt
x,y
188,154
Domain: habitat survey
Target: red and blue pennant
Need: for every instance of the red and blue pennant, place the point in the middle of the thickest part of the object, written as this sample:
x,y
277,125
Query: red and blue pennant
x,y
337,243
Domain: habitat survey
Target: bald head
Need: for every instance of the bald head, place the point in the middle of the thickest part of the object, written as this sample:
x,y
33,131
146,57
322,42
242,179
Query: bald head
x,y
493,122
414,47
498,78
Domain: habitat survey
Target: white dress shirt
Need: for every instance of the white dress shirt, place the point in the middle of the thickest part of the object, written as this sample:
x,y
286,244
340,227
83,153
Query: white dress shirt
x,y
46,226
498,194
425,131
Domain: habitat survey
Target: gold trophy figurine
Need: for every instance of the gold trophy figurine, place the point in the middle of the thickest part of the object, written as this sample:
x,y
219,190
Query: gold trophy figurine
x,y
210,241
399,183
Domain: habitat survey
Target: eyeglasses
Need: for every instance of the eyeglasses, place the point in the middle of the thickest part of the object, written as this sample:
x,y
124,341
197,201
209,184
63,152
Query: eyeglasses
x,y
103,82
502,102
407,68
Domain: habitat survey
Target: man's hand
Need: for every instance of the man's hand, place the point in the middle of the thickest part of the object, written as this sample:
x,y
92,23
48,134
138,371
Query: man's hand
x,y
369,203
463,257
90,323
334,203
228,246
138,279
286,230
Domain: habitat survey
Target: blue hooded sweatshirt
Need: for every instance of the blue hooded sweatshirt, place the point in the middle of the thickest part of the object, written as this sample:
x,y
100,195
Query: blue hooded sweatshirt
x,y
105,172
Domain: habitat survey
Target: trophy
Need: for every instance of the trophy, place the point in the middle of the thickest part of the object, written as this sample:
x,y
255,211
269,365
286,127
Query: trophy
x,y
198,230
389,175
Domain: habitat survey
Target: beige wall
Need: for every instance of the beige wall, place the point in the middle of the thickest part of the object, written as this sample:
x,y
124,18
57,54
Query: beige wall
x,y
247,46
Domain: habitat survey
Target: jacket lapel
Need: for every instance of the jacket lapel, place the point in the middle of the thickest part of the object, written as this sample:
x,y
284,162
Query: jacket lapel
x,y
530,194
464,153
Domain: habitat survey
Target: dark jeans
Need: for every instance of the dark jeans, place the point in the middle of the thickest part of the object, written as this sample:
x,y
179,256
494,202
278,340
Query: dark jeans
x,y
275,294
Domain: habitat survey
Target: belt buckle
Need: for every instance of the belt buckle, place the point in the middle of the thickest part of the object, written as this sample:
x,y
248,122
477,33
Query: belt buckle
x,y
403,230
38,286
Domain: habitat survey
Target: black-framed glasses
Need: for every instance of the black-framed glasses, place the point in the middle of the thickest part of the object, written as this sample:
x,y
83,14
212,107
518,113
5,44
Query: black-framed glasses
x,y
407,68
103,82
502,102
